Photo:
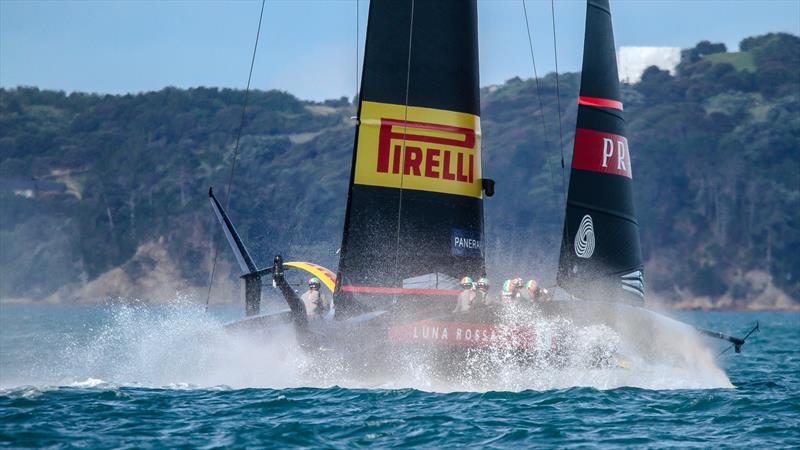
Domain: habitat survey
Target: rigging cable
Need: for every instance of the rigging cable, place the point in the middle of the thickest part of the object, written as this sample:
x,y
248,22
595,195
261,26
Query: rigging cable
x,y
355,99
564,193
558,99
538,94
236,150
405,130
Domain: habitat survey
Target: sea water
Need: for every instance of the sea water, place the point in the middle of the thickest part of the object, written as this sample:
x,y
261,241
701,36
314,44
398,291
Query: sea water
x,y
168,376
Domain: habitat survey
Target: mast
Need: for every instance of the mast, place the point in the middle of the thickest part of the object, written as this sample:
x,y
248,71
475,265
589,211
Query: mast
x,y
600,254
413,224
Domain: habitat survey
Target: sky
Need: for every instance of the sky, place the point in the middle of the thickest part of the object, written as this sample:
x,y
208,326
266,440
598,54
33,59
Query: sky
x,y
308,47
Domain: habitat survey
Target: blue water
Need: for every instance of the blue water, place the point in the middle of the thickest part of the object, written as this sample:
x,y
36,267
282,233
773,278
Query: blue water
x,y
167,377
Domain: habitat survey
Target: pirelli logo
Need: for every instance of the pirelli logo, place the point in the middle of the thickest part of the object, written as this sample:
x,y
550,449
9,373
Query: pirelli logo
x,y
419,148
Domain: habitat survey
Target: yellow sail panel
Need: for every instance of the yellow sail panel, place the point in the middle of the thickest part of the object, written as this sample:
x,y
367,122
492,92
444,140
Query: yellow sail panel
x,y
442,149
327,277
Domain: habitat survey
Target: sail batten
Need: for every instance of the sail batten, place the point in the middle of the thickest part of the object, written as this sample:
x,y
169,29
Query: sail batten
x,y
600,252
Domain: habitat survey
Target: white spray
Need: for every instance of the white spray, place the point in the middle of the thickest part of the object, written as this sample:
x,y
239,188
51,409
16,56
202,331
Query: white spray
x,y
181,346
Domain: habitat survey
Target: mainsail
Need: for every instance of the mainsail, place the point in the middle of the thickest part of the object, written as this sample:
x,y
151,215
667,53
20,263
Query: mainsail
x,y
600,254
414,219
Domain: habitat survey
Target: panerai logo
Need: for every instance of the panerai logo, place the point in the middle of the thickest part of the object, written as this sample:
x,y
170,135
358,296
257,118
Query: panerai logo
x,y
465,243
584,238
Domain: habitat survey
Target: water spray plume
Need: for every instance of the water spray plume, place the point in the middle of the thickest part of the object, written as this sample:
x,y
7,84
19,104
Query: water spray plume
x,y
178,345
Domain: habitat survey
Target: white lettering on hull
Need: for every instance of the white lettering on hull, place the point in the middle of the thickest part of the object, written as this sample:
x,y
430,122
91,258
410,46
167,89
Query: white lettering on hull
x,y
471,335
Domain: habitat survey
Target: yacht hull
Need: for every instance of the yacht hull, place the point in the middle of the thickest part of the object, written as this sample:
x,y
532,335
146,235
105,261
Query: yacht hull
x,y
558,333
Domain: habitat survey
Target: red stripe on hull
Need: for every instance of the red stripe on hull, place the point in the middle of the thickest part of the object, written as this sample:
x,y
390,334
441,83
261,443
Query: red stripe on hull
x,y
601,152
403,291
602,102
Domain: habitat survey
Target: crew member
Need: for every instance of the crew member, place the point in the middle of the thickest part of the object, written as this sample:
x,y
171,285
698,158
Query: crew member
x,y
482,292
537,293
533,290
510,290
466,297
317,304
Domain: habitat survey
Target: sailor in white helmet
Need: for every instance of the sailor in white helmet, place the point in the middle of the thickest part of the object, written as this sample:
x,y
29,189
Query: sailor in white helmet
x,y
511,290
316,303
466,297
482,292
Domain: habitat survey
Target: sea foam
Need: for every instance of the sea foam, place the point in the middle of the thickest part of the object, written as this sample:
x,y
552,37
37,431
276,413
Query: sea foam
x,y
179,346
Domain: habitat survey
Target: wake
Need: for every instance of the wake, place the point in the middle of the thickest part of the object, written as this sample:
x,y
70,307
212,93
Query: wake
x,y
179,346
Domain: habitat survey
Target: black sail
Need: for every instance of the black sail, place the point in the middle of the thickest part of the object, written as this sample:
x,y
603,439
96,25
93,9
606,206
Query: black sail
x,y
413,224
600,254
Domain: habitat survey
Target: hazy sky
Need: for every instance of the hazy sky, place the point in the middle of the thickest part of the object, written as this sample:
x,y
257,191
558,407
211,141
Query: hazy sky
x,y
308,47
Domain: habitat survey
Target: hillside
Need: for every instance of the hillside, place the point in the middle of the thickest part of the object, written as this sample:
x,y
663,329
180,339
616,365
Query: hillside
x,y
105,195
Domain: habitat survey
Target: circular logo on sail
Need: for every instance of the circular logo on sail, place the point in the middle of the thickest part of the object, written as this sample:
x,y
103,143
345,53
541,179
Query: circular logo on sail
x,y
584,238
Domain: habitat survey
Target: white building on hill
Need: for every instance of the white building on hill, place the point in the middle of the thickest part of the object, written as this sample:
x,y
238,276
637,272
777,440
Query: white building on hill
x,y
632,61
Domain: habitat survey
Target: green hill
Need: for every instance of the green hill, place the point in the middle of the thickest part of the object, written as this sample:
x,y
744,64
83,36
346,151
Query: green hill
x,y
742,61
106,195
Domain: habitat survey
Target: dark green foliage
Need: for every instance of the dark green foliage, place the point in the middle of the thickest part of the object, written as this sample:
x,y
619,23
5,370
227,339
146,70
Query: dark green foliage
x,y
701,50
716,165
777,56
137,168
715,161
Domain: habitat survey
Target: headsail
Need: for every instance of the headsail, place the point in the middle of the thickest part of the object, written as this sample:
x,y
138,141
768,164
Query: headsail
x,y
414,209
600,254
